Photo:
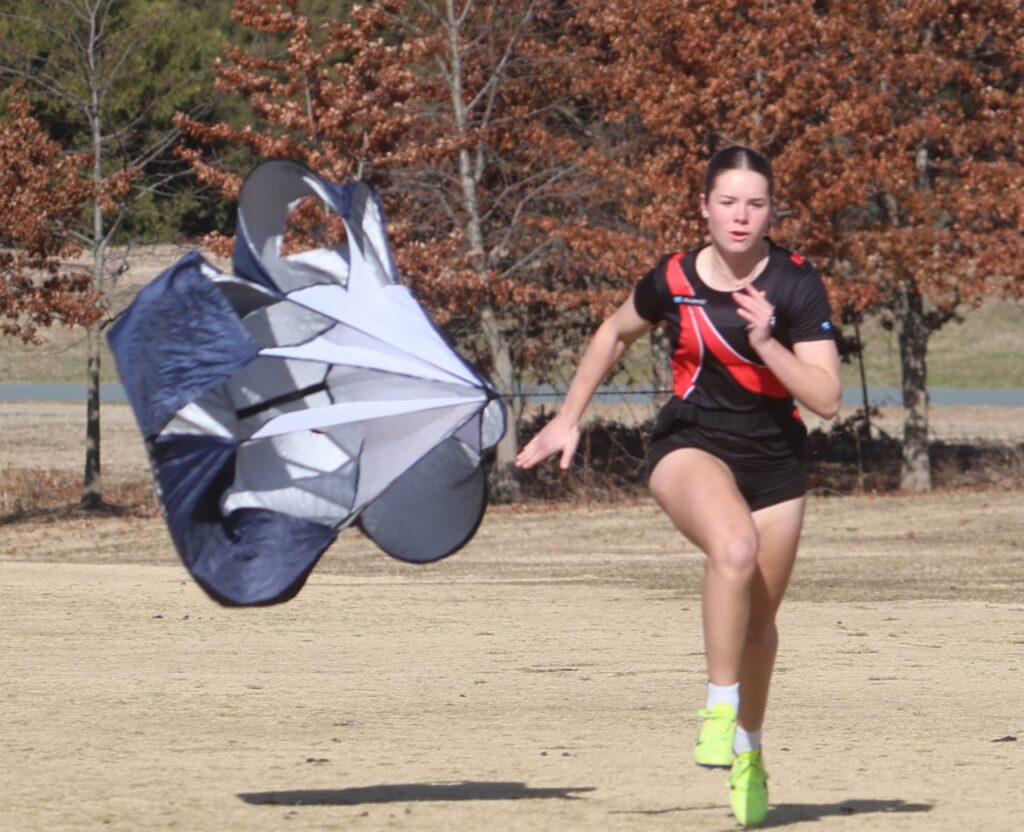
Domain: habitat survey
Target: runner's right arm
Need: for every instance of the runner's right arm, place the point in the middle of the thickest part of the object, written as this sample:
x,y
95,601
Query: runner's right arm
x,y
606,347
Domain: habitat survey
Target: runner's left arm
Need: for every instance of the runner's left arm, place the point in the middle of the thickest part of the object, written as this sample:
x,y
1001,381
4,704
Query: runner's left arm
x,y
810,371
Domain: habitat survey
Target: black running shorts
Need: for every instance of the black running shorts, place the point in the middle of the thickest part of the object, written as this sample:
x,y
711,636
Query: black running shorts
x,y
768,469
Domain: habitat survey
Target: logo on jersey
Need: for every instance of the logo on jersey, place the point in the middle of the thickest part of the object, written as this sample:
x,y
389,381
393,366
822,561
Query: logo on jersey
x,y
826,325
688,301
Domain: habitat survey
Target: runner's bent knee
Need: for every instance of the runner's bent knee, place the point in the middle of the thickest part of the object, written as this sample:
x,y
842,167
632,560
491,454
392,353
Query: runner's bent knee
x,y
735,555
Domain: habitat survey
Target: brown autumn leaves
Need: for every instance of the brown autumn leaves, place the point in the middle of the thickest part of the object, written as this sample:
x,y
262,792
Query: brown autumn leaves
x,y
536,156
43,192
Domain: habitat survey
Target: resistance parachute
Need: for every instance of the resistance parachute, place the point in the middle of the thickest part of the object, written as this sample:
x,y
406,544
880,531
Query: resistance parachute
x,y
299,395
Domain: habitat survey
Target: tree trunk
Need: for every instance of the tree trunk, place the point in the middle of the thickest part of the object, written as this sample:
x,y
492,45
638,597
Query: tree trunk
x,y
913,332
863,379
92,485
504,482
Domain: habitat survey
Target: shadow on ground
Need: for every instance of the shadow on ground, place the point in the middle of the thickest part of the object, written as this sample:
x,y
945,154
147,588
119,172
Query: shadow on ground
x,y
413,793
785,814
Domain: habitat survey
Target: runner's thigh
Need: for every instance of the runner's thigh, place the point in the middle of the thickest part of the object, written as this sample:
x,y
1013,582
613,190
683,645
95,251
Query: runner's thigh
x,y
698,492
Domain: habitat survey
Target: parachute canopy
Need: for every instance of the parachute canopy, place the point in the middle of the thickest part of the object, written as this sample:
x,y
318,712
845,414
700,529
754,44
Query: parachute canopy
x,y
299,395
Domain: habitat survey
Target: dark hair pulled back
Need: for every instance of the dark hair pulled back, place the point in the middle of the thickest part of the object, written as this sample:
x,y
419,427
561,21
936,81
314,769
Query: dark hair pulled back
x,y
737,157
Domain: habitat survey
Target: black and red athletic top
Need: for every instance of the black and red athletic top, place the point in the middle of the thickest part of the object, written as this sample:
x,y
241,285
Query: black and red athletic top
x,y
713,365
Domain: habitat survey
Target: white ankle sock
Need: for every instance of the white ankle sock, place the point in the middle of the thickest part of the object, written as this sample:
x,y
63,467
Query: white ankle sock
x,y
745,740
729,694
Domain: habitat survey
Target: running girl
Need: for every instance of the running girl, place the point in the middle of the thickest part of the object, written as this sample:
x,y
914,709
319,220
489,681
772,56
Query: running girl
x,y
750,326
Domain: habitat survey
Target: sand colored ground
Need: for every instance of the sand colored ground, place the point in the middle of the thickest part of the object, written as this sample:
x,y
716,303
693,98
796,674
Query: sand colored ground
x,y
544,678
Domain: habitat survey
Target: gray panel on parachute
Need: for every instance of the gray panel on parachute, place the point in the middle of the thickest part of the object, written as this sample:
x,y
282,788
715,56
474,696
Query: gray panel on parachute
x,y
433,509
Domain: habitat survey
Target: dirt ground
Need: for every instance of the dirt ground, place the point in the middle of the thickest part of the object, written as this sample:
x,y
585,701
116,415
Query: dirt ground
x,y
544,678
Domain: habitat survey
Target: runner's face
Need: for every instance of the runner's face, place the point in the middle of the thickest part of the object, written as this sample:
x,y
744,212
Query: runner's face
x,y
738,211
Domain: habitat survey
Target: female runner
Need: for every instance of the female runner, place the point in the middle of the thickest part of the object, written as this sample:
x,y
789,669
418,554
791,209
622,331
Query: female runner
x,y
750,326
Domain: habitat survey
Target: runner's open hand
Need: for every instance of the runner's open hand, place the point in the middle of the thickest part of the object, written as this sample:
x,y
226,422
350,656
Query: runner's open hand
x,y
558,435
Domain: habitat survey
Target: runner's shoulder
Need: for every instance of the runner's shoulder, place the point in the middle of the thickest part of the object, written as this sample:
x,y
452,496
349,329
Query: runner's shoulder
x,y
793,262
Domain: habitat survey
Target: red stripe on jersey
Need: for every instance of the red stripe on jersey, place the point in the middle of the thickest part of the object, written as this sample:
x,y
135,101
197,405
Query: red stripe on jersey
x,y
689,354
754,377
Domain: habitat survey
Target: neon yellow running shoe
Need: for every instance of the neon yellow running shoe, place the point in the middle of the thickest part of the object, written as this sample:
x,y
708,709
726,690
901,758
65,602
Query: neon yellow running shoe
x,y
714,745
748,788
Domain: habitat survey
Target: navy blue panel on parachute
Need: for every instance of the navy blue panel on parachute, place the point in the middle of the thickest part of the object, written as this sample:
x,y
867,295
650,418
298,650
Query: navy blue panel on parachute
x,y
178,339
252,556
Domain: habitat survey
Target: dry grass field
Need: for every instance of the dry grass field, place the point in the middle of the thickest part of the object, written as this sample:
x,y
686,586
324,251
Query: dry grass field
x,y
544,678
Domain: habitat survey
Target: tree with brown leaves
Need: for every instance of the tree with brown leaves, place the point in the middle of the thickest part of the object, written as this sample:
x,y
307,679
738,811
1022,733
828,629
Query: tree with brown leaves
x,y
508,235
44,194
891,127
109,73
330,95
931,158
462,115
